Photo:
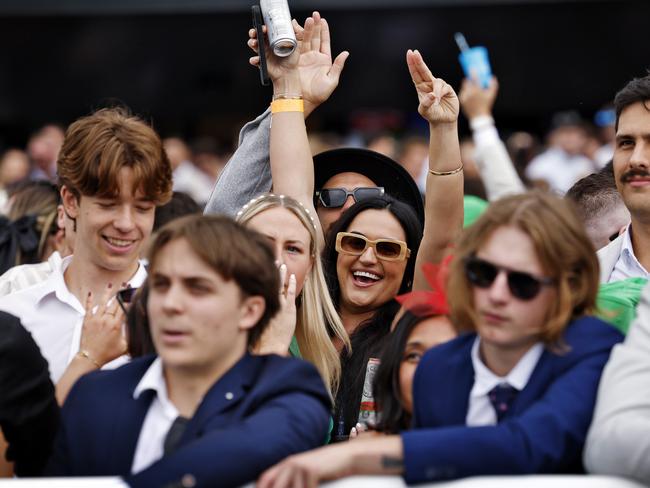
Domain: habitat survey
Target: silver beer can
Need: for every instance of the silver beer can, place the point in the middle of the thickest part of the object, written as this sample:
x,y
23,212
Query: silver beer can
x,y
279,30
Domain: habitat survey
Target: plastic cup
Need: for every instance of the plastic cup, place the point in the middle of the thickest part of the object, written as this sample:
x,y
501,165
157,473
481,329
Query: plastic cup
x,y
476,65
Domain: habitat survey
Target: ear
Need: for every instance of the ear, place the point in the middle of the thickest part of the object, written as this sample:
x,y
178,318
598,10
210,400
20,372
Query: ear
x,y
70,203
251,311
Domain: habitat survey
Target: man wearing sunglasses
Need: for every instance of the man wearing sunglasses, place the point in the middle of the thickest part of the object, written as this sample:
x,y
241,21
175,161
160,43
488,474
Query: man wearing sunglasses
x,y
628,256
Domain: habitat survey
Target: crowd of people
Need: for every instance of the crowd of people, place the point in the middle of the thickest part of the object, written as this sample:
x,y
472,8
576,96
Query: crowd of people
x,y
467,311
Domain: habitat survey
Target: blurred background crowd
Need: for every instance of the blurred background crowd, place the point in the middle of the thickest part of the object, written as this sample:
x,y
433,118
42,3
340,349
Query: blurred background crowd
x,y
182,65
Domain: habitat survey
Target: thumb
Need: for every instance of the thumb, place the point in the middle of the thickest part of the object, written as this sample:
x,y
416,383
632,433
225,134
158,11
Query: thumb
x,y
338,65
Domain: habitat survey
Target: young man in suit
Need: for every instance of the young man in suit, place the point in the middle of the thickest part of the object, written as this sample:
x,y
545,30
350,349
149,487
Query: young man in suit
x,y
204,411
628,256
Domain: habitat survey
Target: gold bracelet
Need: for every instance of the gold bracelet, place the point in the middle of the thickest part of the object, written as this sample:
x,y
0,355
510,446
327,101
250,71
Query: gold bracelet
x,y
84,354
285,105
447,173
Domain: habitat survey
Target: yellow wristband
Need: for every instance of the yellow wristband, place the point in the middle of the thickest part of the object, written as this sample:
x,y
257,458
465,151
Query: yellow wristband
x,y
287,105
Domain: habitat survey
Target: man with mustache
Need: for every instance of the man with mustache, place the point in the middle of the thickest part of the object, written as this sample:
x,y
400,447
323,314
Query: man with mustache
x,y
628,256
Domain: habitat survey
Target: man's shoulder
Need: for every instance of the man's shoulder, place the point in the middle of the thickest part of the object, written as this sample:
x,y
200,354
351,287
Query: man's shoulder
x,y
112,382
24,276
272,374
608,256
586,337
456,349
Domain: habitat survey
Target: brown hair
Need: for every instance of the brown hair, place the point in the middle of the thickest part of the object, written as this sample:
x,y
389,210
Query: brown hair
x,y
98,146
233,251
563,249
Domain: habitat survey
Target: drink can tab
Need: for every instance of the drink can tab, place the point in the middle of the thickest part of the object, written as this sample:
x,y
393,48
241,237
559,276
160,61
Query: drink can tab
x,y
476,65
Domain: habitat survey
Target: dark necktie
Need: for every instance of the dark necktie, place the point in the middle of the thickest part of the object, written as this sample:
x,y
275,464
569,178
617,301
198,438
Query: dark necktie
x,y
501,398
174,435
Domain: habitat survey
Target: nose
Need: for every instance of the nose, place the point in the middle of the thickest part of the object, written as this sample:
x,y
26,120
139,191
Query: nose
x,y
499,291
171,302
349,201
640,157
124,221
368,256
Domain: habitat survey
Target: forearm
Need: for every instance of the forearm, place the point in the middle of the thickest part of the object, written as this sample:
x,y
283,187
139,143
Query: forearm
x,y
495,166
443,200
78,367
377,456
292,165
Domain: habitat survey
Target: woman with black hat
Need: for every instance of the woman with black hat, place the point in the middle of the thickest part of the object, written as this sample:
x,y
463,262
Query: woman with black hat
x,y
373,251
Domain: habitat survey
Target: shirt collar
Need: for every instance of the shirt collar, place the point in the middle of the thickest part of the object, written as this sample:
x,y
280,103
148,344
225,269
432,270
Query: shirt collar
x,y
485,380
154,380
627,250
55,283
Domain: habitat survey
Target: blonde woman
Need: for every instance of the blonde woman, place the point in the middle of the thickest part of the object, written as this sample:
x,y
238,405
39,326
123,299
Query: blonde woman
x,y
297,241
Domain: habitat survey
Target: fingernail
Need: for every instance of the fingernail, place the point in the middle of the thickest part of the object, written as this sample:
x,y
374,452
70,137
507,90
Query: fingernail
x,y
292,277
110,285
89,293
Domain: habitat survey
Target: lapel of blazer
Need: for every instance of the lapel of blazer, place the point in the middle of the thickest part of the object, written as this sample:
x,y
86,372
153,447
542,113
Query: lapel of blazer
x,y
460,379
446,389
225,394
130,417
608,256
537,384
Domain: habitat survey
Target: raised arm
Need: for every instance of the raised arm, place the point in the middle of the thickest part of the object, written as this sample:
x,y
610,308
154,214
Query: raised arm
x,y
248,172
443,207
494,163
290,155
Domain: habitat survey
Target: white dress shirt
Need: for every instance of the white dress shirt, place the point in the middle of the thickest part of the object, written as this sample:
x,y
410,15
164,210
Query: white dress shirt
x,y
159,419
628,266
481,411
54,317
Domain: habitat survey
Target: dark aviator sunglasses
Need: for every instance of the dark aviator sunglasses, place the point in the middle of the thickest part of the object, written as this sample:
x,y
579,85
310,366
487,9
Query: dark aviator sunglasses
x,y
522,285
336,197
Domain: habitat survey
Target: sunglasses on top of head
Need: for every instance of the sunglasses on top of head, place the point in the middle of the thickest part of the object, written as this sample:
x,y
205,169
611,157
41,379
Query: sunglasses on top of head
x,y
386,249
522,285
336,197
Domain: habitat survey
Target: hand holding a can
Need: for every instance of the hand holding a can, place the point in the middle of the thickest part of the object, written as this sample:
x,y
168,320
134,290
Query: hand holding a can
x,y
438,102
280,69
319,75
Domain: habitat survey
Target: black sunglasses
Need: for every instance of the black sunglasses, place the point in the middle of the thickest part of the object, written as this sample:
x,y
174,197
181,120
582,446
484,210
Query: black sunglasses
x,y
336,197
523,286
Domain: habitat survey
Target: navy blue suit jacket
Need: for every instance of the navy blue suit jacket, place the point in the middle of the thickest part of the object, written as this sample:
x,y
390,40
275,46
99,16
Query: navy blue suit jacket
x,y
544,430
279,407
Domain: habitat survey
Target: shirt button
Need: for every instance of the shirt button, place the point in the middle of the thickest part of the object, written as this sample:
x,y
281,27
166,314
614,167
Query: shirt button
x,y
229,396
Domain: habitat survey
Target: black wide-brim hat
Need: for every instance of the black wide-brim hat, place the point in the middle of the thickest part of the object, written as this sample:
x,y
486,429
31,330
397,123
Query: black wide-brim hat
x,y
379,168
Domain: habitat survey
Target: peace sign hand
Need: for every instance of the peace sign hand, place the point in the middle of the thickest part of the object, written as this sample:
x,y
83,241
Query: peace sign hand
x,y
438,101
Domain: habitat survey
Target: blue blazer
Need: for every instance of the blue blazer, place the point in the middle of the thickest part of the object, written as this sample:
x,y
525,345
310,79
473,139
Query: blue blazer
x,y
543,431
280,407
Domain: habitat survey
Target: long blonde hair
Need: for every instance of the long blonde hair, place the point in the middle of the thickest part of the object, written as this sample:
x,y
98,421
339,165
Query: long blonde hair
x,y
315,308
